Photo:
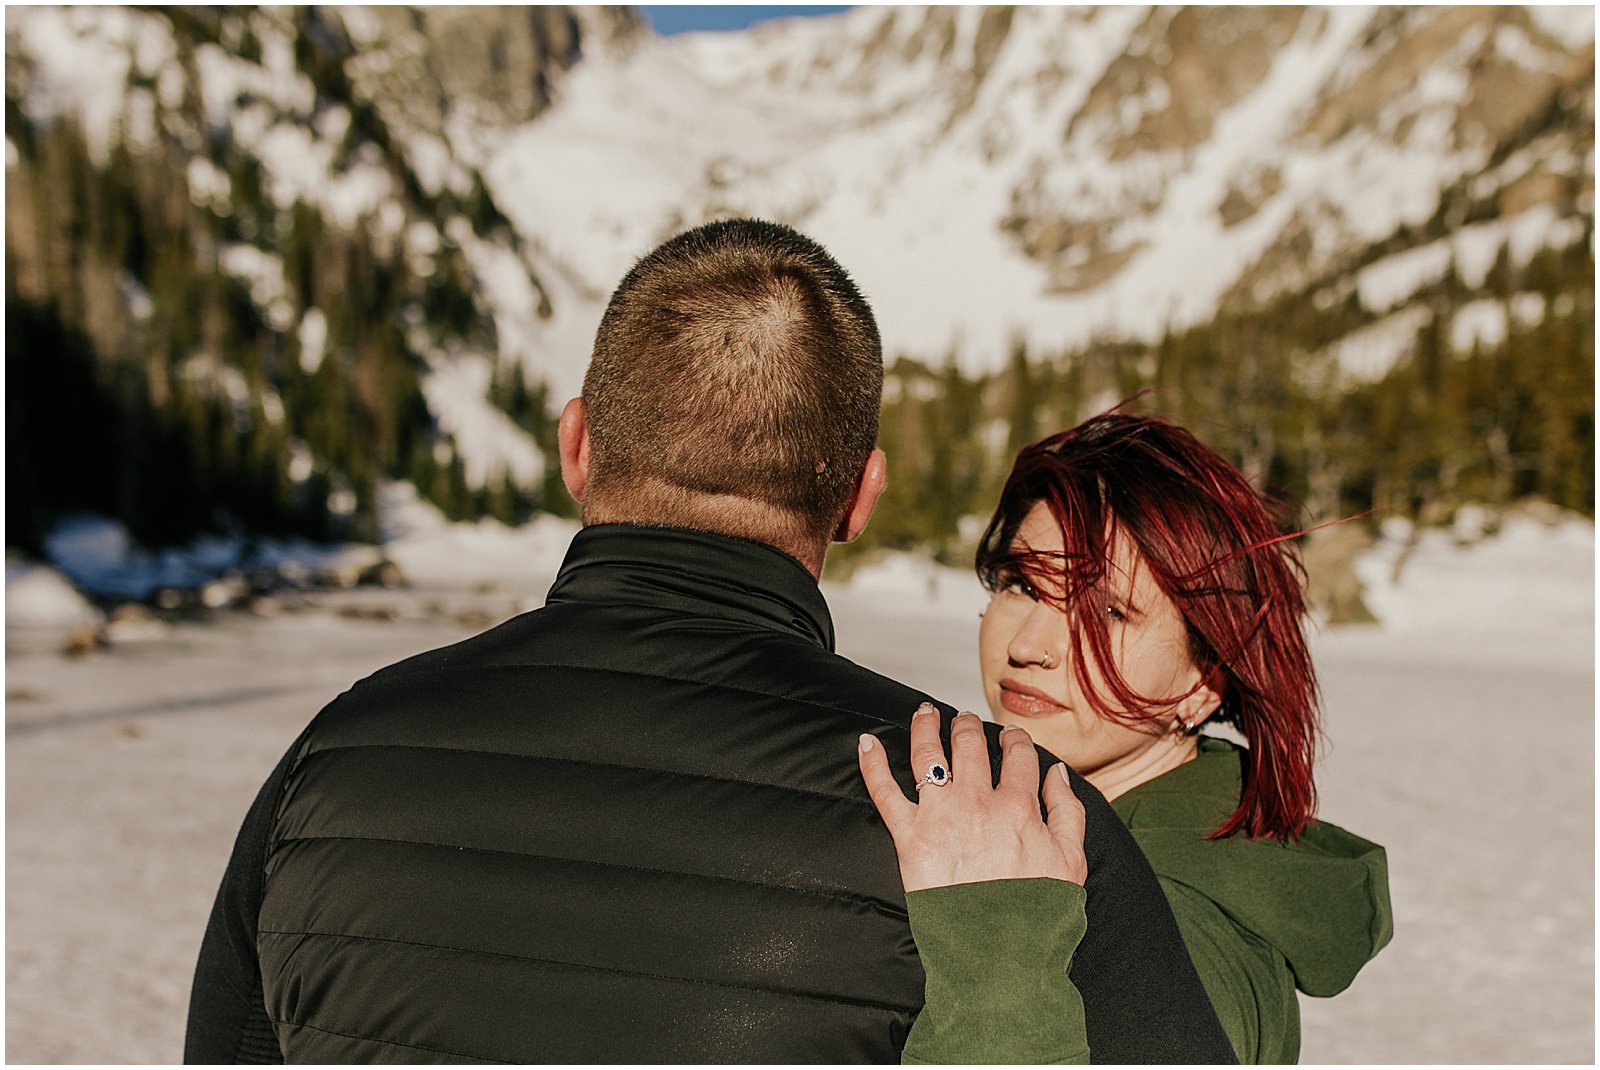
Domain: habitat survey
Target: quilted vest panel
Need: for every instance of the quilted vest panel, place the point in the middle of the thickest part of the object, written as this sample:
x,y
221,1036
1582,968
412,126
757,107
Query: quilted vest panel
x,y
577,863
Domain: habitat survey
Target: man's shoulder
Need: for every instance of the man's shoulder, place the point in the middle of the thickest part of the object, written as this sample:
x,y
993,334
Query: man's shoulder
x,y
559,645
566,662
855,686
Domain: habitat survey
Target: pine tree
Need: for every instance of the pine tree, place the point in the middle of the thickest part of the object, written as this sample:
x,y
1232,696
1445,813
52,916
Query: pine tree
x,y
1021,425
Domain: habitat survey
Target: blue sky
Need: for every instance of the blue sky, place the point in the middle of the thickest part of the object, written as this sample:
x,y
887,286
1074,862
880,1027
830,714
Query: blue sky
x,y
668,19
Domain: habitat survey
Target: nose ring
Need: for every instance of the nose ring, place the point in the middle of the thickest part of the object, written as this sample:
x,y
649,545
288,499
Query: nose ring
x,y
1047,661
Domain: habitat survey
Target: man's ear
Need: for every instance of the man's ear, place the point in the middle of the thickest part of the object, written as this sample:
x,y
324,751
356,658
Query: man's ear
x,y
869,485
572,440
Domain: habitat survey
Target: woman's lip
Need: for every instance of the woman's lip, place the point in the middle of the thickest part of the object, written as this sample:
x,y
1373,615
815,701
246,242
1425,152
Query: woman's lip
x,y
1027,701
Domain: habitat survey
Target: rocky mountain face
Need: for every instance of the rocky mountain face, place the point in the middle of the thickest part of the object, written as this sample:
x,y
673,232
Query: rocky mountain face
x,y
451,72
1150,165
1304,217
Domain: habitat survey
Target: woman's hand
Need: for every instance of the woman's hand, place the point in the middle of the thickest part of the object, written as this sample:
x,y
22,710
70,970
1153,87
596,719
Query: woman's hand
x,y
966,831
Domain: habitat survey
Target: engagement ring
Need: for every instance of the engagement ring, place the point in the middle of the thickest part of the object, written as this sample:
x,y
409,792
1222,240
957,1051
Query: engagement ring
x,y
938,776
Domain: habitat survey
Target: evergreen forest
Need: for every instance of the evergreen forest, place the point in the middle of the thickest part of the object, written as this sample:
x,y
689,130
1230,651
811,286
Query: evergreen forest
x,y
1439,429
148,383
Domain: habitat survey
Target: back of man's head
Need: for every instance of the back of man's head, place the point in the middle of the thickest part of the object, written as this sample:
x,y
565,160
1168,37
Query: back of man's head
x,y
734,388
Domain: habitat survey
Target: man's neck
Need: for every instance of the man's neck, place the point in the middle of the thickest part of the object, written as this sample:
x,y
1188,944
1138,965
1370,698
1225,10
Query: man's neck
x,y
811,559
658,505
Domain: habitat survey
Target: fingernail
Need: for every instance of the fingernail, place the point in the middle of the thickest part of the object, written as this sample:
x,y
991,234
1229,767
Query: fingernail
x,y
966,713
866,743
926,708
1061,774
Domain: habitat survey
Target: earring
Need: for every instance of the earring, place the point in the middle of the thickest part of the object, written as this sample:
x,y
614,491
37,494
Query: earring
x,y
1182,727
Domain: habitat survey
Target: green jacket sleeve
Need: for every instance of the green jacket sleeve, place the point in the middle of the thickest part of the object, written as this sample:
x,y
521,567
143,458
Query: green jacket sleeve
x,y
996,954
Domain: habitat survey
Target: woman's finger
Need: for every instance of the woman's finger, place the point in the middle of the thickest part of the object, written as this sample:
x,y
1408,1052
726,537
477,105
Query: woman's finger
x,y
1066,822
927,752
895,809
969,751
1019,764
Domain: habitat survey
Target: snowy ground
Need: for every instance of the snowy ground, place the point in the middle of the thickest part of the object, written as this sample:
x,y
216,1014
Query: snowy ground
x,y
1462,739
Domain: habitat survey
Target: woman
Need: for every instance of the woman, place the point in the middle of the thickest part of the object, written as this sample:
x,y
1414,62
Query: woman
x,y
1140,590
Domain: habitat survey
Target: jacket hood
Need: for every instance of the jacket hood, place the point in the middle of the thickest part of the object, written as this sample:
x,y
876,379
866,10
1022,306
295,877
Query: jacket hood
x,y
1322,902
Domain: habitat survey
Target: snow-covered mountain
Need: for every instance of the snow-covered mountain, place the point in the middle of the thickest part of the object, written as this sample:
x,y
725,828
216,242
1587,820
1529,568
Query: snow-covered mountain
x,y
1050,174
1060,174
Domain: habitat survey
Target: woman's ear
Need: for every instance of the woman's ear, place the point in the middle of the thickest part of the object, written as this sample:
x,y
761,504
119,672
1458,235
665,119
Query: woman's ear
x,y
1197,708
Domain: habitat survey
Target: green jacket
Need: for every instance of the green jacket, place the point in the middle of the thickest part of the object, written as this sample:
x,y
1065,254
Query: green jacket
x,y
1261,919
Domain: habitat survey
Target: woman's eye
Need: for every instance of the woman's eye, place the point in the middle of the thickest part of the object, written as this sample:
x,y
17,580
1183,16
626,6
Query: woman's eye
x,y
1116,613
1018,585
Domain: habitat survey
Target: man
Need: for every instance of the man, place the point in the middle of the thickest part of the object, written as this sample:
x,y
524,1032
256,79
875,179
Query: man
x,y
629,826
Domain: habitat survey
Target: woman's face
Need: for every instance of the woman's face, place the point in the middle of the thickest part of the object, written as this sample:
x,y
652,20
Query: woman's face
x,y
1021,636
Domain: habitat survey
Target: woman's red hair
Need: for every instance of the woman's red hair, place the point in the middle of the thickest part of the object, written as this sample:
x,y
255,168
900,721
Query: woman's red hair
x,y
1211,545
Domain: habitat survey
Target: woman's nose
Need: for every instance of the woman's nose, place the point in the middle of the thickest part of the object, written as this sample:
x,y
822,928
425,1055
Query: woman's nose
x,y
1041,638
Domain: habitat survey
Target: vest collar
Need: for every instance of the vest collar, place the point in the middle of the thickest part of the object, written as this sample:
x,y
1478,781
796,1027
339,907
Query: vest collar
x,y
695,573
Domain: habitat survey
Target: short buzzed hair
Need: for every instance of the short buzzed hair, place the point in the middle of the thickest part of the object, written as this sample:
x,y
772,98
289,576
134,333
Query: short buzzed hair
x,y
734,387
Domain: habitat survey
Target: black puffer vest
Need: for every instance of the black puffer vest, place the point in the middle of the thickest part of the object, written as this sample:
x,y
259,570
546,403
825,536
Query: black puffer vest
x,y
629,827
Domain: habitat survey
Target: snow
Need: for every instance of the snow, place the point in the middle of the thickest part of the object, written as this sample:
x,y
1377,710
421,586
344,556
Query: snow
x,y
936,588
1535,577
366,189
40,597
1522,235
507,288
1514,44
638,139
208,186
313,340
490,445
296,162
224,77
262,274
1389,282
435,165
1186,239
206,372
98,555
140,304
905,169
1392,280
1461,737
1462,724
1541,228
1367,354
1572,25
1528,309
332,123
139,120
1529,573
793,123
1482,322
81,59
433,552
